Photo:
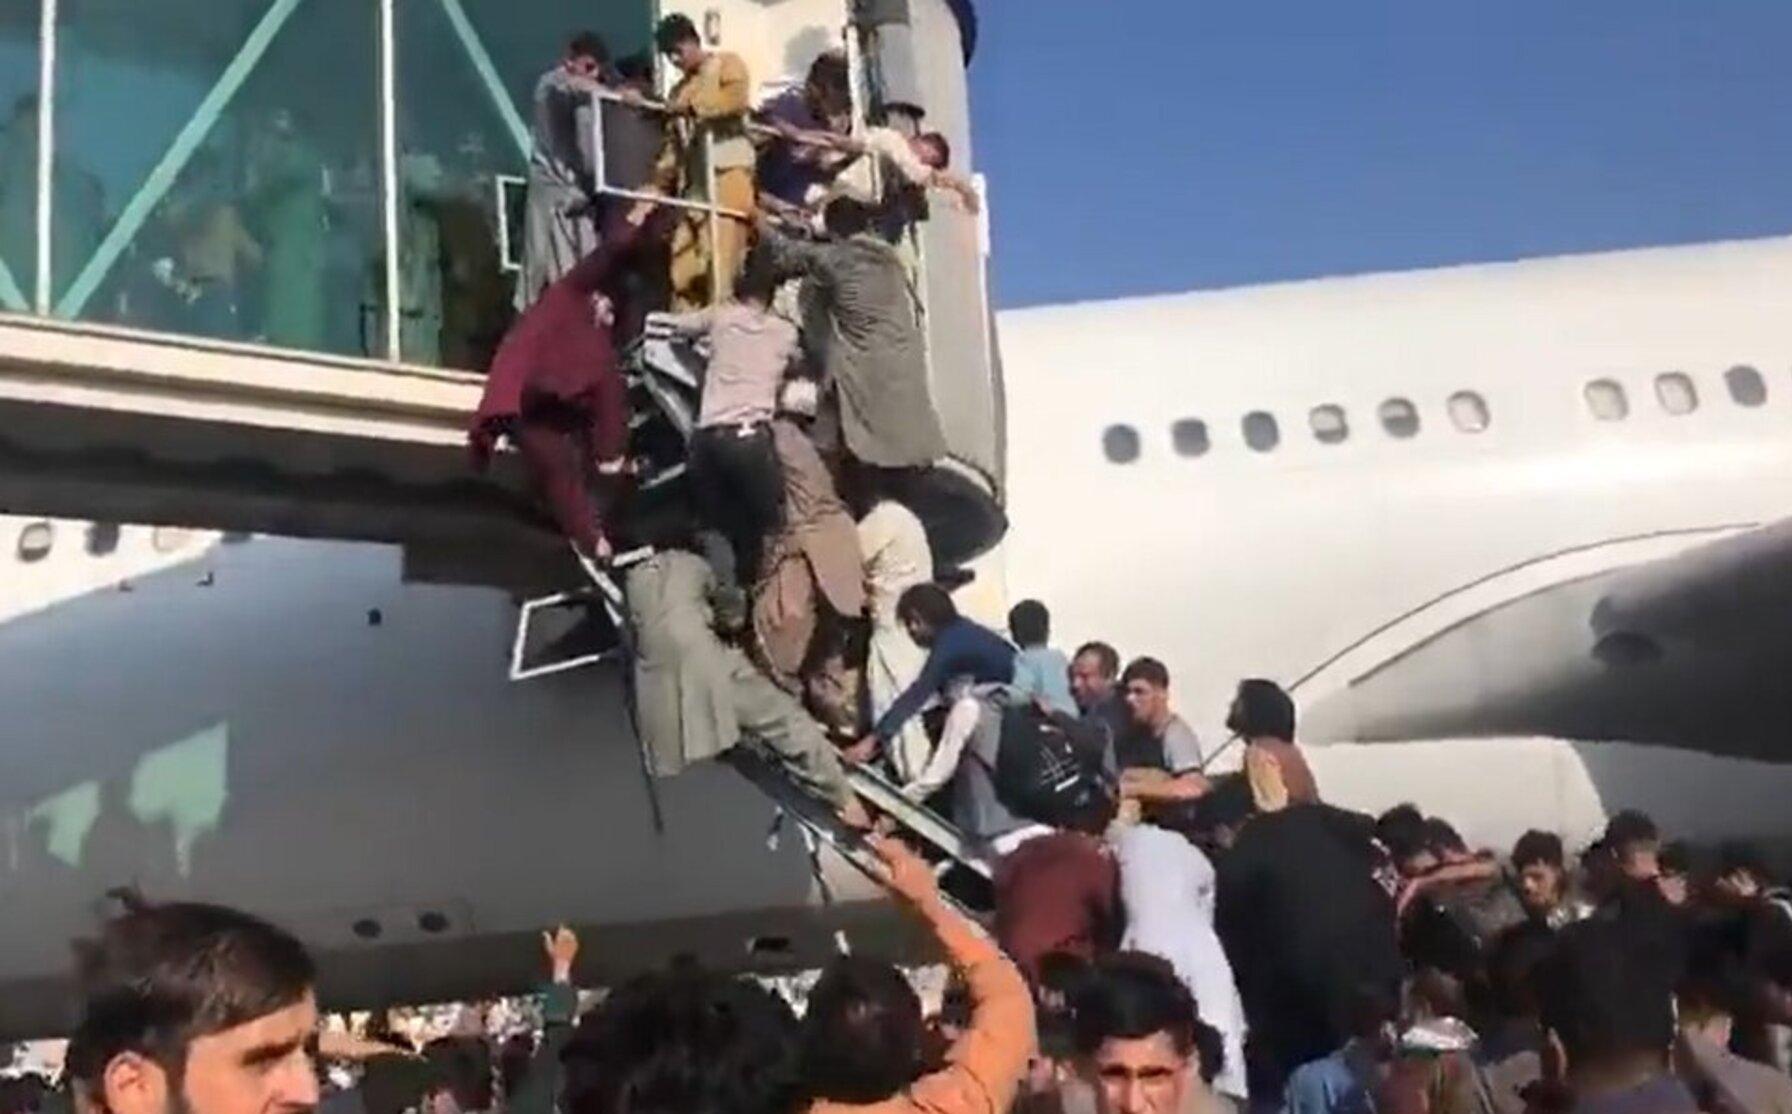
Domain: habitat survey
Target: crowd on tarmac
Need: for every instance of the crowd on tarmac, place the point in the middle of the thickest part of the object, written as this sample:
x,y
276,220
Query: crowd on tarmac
x,y
1160,937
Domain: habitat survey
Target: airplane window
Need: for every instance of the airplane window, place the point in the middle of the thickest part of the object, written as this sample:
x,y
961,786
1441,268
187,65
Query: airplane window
x,y
1120,444
35,541
102,538
1605,398
1399,417
1188,436
1261,432
1330,426
1469,411
1747,387
1676,392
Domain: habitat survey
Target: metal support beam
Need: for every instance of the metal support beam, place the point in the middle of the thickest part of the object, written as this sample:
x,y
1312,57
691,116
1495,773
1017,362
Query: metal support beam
x,y
390,186
186,142
488,76
46,150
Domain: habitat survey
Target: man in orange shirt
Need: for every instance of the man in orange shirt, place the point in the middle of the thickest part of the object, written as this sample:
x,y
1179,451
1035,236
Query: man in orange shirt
x,y
863,1033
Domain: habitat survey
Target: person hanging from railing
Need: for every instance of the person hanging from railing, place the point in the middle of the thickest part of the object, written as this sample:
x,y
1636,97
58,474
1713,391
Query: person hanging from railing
x,y
697,696
813,575
733,464
904,163
872,355
708,108
791,174
560,222
554,389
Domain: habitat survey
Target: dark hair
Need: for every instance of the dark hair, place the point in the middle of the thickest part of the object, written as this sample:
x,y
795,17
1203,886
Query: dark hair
x,y
1401,830
1261,710
1441,835
862,1033
157,977
1106,655
588,44
683,1041
1149,670
1366,1009
846,216
514,1056
464,1065
1131,995
673,31
1030,623
1512,965
941,146
1628,829
831,81
1679,858
927,603
1606,994
1538,847
758,279
635,67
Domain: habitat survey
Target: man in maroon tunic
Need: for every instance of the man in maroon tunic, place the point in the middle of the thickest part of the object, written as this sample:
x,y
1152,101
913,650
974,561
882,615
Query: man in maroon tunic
x,y
556,391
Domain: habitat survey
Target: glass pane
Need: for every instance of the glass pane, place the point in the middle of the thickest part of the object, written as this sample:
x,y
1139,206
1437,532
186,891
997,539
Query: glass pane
x,y
1676,392
1120,444
1747,387
1329,424
466,83
1605,398
1399,417
1261,432
18,158
1188,436
217,164
1469,411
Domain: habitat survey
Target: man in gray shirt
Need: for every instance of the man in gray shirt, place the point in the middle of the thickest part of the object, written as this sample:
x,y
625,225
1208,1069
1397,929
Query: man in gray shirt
x,y
560,223
1159,755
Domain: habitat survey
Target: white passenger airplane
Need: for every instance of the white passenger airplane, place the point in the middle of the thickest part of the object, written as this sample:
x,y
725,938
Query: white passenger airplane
x,y
1467,514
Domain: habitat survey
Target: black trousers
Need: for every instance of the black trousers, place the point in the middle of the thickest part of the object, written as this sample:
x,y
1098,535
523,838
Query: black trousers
x,y
739,490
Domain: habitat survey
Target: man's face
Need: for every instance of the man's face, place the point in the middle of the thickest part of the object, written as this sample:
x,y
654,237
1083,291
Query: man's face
x,y
927,152
1641,862
1675,888
582,65
262,1067
687,56
1540,886
1143,1076
1147,703
1089,684
918,631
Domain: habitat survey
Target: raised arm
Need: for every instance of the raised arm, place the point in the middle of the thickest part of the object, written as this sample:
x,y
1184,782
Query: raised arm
x,y
985,1066
541,1080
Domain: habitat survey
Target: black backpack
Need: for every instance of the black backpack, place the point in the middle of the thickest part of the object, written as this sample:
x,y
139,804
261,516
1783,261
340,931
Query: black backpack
x,y
1049,766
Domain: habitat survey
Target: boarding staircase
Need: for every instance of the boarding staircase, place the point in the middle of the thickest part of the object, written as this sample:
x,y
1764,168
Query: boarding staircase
x,y
665,374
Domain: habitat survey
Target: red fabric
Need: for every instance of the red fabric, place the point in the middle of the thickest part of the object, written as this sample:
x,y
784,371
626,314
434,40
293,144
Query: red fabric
x,y
1057,893
557,354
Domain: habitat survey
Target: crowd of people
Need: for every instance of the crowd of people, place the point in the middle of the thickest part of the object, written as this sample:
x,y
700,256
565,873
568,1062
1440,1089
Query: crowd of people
x,y
1233,944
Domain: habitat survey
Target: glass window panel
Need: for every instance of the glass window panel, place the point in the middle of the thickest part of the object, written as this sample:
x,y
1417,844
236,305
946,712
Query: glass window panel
x,y
1676,392
1468,410
1747,387
218,168
467,73
1188,436
1261,432
1120,444
1329,424
1399,417
1606,399
18,157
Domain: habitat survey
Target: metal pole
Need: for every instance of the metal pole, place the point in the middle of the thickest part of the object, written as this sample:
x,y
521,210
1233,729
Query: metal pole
x,y
389,172
600,174
156,186
488,75
715,219
46,150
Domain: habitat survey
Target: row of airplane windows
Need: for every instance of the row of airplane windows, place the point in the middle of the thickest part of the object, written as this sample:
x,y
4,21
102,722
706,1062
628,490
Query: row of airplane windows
x,y
1606,400
38,539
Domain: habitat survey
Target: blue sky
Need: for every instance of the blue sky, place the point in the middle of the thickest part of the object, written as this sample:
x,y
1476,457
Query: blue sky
x,y
1157,145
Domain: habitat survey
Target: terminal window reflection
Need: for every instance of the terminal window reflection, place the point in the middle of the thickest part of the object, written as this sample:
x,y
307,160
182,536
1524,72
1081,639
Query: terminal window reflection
x,y
219,158
18,163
